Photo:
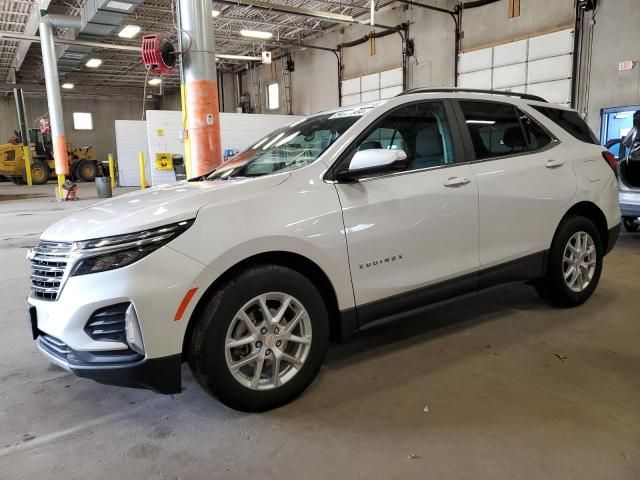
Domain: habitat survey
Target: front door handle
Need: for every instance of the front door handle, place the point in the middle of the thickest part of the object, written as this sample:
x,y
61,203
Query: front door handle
x,y
456,182
554,163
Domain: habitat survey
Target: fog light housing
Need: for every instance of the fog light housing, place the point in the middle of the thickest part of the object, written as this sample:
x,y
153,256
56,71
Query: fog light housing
x,y
132,330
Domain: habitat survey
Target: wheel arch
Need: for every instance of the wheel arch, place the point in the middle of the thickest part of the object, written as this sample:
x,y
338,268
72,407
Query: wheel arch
x,y
591,211
296,262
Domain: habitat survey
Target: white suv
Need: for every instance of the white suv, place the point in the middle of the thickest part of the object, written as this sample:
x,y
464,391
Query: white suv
x,y
316,231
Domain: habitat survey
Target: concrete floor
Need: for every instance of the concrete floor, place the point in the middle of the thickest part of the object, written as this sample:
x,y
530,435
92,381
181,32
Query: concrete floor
x,y
513,388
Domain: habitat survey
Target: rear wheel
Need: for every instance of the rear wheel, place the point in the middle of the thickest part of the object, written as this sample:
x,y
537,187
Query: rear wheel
x,y
260,339
86,170
574,265
630,224
40,173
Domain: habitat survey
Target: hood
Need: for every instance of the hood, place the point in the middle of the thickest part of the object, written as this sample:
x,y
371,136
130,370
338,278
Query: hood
x,y
153,207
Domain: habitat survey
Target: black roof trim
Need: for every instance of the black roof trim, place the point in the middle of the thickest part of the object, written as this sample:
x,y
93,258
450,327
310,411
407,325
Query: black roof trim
x,y
524,96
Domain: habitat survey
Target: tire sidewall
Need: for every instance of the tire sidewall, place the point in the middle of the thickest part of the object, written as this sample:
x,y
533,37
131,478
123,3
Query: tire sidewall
x,y
208,345
556,274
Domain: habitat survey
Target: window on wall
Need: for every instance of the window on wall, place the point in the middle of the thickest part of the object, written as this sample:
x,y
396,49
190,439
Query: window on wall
x,y
82,121
273,96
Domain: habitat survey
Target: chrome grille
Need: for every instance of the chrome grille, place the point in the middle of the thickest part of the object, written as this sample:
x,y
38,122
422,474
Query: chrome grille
x,y
48,263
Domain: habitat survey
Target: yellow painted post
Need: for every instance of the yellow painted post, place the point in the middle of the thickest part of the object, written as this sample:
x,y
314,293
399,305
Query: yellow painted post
x,y
185,129
143,181
27,164
61,179
112,172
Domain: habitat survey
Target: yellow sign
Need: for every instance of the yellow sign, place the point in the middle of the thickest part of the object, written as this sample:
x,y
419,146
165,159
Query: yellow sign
x,y
164,161
160,132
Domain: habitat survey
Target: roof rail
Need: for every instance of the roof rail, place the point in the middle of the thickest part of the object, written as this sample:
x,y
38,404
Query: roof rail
x,y
524,96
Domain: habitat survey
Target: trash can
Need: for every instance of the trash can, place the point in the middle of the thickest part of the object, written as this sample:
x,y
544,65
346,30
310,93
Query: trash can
x,y
103,186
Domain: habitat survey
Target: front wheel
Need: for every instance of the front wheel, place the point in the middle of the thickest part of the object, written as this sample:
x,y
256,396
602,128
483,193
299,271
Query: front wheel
x,y
574,263
86,170
260,339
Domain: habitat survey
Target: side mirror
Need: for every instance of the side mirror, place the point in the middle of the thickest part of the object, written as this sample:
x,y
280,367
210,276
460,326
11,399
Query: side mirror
x,y
375,160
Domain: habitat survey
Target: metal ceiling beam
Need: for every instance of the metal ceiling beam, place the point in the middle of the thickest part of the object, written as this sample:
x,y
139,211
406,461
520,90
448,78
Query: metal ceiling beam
x,y
305,12
31,27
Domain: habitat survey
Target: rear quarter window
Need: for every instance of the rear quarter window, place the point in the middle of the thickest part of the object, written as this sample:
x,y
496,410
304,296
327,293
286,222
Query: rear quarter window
x,y
570,121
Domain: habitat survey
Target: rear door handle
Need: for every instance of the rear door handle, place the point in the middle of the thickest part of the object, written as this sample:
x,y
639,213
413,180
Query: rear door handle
x,y
554,163
456,182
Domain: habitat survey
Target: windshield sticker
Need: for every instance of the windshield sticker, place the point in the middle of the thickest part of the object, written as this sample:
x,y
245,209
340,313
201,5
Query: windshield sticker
x,y
354,112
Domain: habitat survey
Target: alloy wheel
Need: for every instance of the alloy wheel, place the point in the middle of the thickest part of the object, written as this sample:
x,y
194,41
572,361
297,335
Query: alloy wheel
x,y
579,261
268,341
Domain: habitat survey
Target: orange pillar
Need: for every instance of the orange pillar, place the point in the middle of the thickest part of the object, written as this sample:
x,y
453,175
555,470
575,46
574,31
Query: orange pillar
x,y
201,88
203,113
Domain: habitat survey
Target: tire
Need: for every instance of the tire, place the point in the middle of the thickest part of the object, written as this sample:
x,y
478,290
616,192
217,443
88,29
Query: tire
x,y
630,224
219,322
86,171
553,287
40,173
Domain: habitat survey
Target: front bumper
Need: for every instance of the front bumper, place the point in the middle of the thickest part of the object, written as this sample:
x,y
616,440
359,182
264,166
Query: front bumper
x,y
124,369
155,286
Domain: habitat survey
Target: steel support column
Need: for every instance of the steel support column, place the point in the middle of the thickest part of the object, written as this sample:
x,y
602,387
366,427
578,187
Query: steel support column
x,y
49,61
201,87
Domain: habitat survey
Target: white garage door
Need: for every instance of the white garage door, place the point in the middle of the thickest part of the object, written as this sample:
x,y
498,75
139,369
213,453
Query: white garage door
x,y
541,65
370,88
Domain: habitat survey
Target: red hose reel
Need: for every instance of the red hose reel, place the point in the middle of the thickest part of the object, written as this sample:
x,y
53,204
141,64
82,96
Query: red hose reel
x,y
158,53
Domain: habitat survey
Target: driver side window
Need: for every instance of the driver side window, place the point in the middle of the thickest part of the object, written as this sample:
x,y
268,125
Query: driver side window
x,y
421,130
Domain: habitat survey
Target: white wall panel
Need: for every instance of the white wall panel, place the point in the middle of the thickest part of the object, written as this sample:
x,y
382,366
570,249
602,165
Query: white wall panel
x,y
554,92
370,82
390,92
131,139
373,87
481,79
391,78
474,61
549,69
240,130
553,44
371,96
163,133
350,87
542,65
351,100
509,76
510,53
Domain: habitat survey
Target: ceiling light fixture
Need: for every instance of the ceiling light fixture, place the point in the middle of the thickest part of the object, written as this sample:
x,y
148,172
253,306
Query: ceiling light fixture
x,y
259,34
215,13
129,31
155,81
122,6
94,63
68,86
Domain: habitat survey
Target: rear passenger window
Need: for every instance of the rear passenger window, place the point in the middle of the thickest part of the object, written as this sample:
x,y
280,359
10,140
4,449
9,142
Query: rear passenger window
x,y
569,121
537,137
494,128
499,129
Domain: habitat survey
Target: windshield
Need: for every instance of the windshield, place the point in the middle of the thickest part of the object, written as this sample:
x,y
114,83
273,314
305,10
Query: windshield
x,y
289,148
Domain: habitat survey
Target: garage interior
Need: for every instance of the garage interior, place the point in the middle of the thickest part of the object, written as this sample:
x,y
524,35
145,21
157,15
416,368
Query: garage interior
x,y
492,385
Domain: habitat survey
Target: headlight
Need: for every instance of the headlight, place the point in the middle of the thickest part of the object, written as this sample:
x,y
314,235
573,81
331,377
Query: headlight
x,y
109,253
